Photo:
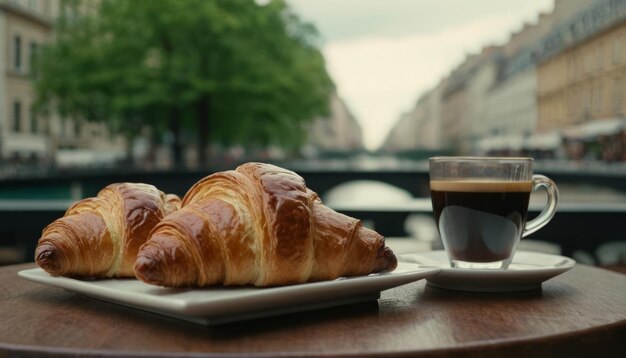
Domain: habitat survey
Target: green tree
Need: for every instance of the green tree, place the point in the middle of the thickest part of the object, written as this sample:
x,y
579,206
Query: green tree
x,y
231,71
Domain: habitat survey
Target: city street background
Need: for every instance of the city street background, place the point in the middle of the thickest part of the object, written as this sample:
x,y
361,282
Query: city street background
x,y
122,89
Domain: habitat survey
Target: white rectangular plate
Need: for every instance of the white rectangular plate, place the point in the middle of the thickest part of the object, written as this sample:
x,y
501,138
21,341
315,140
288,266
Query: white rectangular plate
x,y
216,305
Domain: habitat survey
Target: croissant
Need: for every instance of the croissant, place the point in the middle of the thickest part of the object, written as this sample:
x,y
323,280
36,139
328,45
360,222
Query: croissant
x,y
100,236
257,225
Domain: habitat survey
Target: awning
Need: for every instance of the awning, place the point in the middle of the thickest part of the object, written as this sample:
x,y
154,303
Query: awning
x,y
544,141
595,128
503,142
24,143
87,157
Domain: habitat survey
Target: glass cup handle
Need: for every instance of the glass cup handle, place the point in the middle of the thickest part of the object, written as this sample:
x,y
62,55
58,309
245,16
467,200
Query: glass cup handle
x,y
540,181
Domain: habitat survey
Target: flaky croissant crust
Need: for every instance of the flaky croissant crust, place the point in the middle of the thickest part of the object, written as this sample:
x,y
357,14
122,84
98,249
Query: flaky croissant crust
x,y
260,225
100,236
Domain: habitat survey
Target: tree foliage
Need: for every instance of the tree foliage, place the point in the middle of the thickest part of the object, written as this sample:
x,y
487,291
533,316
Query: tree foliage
x,y
231,71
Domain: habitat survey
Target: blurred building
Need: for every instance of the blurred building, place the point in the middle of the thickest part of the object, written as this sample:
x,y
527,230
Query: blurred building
x,y
25,135
490,102
24,26
397,139
512,117
420,128
582,79
511,106
337,133
30,137
429,132
464,99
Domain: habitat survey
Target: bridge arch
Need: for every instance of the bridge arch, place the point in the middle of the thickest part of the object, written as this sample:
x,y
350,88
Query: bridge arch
x,y
414,182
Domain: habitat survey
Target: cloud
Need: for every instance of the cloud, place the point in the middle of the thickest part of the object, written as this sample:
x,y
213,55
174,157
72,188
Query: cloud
x,y
344,19
381,77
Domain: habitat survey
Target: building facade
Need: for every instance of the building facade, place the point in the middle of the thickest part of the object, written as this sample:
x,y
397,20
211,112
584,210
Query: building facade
x,y
403,135
492,98
464,101
511,105
420,128
582,82
24,26
586,81
429,128
339,132
25,135
28,137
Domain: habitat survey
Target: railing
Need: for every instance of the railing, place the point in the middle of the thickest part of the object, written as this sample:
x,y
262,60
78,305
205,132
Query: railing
x,y
576,226
413,179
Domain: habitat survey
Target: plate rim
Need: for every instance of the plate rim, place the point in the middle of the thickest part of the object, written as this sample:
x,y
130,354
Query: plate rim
x,y
495,280
213,307
569,263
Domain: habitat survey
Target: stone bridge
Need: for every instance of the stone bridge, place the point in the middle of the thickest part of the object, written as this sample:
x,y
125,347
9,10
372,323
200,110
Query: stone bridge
x,y
27,205
415,181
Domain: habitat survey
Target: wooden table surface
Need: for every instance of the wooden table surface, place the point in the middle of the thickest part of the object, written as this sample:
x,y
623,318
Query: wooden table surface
x,y
579,313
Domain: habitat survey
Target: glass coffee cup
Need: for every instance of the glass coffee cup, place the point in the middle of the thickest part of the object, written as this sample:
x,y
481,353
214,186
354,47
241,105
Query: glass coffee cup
x,y
480,206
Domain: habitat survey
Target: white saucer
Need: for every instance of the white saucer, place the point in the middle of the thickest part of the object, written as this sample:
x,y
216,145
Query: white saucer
x,y
527,272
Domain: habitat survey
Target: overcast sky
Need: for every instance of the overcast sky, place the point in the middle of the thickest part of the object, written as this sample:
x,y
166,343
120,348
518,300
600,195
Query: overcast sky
x,y
382,54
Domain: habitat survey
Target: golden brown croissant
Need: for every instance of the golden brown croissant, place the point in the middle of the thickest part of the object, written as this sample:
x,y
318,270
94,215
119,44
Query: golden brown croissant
x,y
259,225
100,236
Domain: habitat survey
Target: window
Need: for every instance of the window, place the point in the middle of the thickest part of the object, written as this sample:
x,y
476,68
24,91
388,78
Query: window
x,y
586,103
617,49
34,122
599,57
588,62
33,58
17,116
571,70
17,52
618,95
596,105
571,103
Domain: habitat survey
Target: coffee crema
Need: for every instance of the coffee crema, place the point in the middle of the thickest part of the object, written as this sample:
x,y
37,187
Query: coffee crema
x,y
480,220
481,186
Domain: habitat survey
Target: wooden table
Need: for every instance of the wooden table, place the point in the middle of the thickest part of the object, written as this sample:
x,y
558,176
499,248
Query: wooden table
x,y
580,313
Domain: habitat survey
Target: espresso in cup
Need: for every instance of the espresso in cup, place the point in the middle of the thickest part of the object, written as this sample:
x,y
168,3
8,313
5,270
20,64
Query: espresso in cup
x,y
480,206
481,220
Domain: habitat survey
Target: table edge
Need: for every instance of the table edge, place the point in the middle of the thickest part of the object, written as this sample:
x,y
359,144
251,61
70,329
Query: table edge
x,y
611,332
556,342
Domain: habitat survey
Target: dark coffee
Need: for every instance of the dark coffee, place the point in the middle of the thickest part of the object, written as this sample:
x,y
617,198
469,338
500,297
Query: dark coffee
x,y
480,221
